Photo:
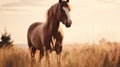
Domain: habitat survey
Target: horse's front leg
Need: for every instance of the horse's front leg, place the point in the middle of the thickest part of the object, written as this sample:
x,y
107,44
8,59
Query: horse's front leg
x,y
58,46
59,51
59,60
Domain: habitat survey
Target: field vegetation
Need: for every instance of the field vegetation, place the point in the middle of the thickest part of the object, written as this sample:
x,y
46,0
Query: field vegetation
x,y
103,54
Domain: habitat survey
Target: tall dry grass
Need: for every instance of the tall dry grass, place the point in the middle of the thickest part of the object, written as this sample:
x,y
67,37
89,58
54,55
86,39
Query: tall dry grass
x,y
104,54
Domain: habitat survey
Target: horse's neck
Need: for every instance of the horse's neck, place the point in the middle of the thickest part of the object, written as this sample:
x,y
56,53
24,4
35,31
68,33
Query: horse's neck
x,y
55,27
52,26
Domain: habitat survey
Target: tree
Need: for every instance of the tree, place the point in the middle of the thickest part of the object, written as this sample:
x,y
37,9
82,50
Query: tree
x,y
6,40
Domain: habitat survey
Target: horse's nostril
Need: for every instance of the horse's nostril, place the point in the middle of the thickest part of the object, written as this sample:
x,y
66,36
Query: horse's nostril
x,y
68,24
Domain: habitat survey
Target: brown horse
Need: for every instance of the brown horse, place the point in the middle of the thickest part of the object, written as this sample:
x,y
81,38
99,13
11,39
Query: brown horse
x,y
48,37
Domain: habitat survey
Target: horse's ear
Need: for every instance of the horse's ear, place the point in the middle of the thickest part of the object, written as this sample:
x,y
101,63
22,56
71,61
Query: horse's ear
x,y
60,1
67,0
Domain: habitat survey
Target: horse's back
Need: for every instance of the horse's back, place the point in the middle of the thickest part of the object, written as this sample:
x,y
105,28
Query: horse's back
x,y
30,30
33,26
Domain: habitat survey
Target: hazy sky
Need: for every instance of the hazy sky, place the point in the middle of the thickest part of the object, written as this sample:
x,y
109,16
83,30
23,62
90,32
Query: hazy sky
x,y
92,19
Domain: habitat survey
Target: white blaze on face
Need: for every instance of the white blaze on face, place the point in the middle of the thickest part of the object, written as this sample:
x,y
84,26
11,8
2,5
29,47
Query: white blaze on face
x,y
67,12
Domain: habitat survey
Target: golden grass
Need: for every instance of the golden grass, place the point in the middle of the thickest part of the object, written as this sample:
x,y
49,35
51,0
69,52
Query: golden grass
x,y
91,55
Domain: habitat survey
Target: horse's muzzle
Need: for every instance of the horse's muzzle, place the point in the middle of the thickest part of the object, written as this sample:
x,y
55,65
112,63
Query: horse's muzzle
x,y
68,23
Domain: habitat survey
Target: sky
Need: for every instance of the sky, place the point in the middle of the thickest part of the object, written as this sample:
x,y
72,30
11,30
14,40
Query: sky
x,y
92,19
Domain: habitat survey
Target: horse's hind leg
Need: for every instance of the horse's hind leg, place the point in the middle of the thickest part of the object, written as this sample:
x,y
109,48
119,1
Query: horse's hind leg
x,y
48,57
41,54
31,47
32,52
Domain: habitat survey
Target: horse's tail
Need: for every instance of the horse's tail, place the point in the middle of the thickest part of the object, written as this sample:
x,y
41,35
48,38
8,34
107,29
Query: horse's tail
x,y
31,28
29,42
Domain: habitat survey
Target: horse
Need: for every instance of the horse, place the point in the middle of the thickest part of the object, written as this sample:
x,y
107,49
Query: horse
x,y
47,37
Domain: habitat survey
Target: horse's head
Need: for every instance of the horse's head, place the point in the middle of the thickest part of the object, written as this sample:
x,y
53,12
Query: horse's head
x,y
64,13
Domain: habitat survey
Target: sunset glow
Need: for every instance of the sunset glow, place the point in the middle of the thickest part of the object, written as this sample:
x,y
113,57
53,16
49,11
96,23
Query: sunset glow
x,y
92,19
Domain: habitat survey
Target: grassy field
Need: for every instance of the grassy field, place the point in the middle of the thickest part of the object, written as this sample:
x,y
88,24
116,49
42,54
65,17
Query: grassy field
x,y
103,54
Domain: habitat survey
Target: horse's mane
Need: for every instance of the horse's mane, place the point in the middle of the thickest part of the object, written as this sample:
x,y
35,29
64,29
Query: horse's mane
x,y
52,12
53,16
